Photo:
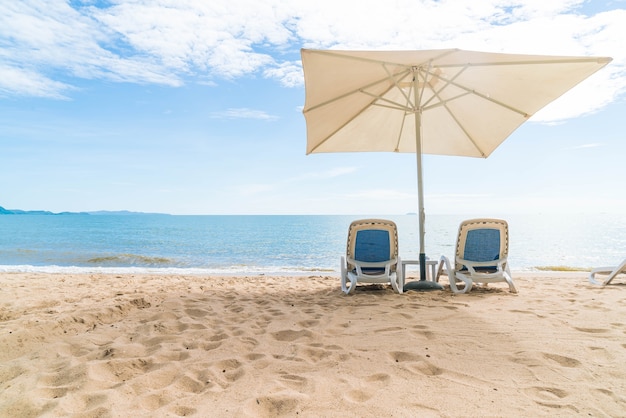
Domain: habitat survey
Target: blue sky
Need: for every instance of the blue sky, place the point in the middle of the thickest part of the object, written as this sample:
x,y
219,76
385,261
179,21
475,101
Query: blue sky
x,y
194,107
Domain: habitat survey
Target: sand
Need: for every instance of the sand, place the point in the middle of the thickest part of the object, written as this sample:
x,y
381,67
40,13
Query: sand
x,y
102,345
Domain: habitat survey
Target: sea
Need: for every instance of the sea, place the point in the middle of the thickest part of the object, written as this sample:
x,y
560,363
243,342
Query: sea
x,y
280,244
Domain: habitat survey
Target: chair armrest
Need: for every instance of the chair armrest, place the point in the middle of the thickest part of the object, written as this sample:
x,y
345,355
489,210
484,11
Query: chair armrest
x,y
469,263
372,264
473,265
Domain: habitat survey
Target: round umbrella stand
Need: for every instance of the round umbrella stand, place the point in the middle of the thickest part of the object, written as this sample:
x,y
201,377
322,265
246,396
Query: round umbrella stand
x,y
422,285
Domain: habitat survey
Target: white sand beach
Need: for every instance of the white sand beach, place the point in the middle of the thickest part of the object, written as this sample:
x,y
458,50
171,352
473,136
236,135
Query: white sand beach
x,y
98,345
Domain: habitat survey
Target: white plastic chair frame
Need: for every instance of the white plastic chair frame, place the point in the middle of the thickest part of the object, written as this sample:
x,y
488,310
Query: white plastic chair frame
x,y
610,272
470,276
352,269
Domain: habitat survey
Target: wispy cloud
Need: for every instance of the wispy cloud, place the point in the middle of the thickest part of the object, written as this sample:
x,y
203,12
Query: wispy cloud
x,y
242,113
267,187
455,196
253,189
44,44
382,194
327,174
585,146
25,82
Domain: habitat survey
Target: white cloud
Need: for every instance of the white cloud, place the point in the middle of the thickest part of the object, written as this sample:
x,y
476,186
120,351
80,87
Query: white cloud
x,y
585,146
44,43
267,187
253,189
288,73
25,82
382,194
243,113
331,173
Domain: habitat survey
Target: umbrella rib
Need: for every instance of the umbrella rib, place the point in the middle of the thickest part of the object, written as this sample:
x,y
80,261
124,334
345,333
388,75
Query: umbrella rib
x,y
444,102
395,83
362,91
447,83
351,92
393,105
451,82
573,60
338,53
469,137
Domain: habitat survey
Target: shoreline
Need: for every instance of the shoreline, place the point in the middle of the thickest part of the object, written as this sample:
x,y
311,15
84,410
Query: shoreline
x,y
190,345
55,269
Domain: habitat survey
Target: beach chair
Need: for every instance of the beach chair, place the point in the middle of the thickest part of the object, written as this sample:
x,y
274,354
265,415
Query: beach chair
x,y
482,248
371,255
611,272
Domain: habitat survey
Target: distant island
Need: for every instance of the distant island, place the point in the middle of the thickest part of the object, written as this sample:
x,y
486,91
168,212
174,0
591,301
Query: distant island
x,y
4,211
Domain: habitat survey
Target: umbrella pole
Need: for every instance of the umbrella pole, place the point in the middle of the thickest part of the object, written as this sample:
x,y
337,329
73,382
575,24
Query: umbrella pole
x,y
422,283
420,188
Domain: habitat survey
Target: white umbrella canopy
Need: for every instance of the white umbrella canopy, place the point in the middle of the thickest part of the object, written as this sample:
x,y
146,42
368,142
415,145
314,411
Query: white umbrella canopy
x,y
443,102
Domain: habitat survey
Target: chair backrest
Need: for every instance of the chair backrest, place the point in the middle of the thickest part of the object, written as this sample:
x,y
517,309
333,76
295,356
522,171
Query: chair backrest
x,y
372,240
482,240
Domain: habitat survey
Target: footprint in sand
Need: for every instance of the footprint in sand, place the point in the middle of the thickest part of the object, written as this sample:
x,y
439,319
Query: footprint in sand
x,y
532,313
183,411
291,335
119,370
378,379
227,371
358,395
197,313
549,397
219,337
309,323
415,363
272,406
368,387
70,377
159,378
296,382
592,330
423,331
51,392
188,385
601,353
315,354
154,401
388,329
85,404
562,360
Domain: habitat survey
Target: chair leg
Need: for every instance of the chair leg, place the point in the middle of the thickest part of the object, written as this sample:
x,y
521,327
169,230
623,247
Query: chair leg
x,y
452,276
466,280
344,276
396,283
509,281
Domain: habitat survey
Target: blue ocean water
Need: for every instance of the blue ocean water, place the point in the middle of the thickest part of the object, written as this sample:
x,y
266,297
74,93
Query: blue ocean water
x,y
278,244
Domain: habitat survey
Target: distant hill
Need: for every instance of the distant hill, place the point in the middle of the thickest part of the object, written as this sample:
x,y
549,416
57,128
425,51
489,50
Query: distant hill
x,y
4,211
121,213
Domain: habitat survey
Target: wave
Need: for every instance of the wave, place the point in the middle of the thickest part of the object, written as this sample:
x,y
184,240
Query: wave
x,y
130,259
187,271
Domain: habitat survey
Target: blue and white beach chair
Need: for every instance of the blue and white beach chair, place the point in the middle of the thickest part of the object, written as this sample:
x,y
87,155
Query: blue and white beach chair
x,y
482,249
371,255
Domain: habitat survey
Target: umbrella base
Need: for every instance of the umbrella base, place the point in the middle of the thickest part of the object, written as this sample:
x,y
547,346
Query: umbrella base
x,y
422,285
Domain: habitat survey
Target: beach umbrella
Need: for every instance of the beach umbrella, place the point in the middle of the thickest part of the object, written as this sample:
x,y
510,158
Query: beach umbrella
x,y
443,102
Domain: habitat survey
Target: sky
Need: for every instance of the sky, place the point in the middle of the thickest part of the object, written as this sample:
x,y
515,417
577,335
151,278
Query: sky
x,y
195,107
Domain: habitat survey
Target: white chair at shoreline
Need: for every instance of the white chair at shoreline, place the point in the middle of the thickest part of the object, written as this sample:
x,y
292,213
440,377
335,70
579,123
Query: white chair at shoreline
x,y
371,255
482,249
610,272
